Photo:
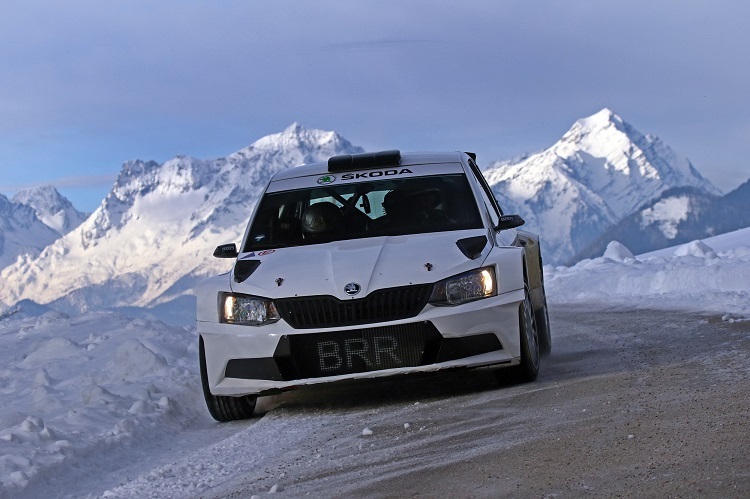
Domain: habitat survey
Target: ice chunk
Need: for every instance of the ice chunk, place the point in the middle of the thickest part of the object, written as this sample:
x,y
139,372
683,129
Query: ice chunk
x,y
696,248
618,252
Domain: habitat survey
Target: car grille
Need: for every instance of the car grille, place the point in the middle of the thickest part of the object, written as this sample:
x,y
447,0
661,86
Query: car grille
x,y
379,306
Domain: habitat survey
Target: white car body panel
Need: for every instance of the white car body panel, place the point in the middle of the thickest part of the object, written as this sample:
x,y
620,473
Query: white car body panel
x,y
373,263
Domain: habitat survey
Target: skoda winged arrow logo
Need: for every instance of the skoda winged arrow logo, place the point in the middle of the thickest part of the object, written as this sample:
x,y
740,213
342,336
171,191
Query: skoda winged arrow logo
x,y
352,288
326,179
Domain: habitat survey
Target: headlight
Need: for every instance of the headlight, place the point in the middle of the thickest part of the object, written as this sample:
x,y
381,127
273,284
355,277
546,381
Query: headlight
x,y
246,310
466,287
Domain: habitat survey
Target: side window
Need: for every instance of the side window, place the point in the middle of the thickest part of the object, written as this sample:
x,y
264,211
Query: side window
x,y
489,198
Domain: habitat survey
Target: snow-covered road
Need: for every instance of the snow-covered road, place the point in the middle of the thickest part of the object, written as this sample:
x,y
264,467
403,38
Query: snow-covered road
x,y
630,400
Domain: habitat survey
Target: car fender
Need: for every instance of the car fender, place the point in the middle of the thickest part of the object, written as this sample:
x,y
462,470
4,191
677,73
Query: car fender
x,y
207,294
508,262
532,266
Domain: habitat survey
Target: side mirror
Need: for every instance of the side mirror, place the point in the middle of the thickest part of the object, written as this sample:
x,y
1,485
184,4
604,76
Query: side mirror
x,y
226,251
510,222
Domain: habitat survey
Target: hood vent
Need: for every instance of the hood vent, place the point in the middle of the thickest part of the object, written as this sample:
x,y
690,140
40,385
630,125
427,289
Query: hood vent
x,y
472,247
243,269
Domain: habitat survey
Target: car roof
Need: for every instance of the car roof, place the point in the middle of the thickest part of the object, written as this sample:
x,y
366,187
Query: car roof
x,y
407,159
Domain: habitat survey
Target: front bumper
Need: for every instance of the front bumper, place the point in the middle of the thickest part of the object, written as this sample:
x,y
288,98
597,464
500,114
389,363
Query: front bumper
x,y
245,360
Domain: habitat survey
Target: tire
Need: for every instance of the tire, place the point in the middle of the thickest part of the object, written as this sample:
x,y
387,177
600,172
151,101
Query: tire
x,y
220,407
528,369
543,329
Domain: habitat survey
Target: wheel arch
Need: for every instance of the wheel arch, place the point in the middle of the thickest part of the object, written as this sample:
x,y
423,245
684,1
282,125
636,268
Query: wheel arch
x,y
532,266
534,277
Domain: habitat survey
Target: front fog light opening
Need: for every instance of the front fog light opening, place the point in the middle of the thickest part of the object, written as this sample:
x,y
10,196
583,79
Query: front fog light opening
x,y
247,310
464,288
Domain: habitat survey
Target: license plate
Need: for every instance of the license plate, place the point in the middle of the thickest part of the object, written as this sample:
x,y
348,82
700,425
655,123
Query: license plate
x,y
361,350
359,354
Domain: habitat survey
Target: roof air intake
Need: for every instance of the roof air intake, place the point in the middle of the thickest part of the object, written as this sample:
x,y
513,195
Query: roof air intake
x,y
364,161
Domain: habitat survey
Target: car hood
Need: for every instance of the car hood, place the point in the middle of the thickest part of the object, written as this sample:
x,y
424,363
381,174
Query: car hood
x,y
372,263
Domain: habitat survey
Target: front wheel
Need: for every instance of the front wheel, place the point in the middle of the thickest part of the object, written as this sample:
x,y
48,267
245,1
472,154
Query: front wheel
x,y
220,407
528,369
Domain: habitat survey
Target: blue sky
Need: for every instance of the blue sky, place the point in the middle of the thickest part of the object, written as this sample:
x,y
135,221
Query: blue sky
x,y
87,85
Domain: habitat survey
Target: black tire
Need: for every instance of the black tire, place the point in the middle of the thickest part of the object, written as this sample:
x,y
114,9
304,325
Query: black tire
x,y
528,369
220,407
543,328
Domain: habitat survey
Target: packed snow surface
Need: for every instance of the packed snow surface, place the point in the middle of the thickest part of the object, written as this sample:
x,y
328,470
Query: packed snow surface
x,y
86,398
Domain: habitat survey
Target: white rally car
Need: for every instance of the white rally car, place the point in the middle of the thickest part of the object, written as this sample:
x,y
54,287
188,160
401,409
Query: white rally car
x,y
369,265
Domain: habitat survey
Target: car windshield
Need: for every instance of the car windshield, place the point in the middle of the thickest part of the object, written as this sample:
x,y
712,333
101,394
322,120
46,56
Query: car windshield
x,y
367,209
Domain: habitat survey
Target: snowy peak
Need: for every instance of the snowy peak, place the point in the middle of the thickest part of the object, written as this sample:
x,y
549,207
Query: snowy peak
x,y
625,166
303,144
603,119
52,208
21,232
600,129
601,171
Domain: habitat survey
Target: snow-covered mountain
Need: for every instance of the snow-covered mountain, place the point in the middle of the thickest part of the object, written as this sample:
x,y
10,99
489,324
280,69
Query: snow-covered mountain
x,y
51,207
153,235
22,234
32,220
678,216
598,173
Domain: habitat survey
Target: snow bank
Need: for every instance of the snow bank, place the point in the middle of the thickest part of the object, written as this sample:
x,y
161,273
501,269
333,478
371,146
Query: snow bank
x,y
73,387
703,276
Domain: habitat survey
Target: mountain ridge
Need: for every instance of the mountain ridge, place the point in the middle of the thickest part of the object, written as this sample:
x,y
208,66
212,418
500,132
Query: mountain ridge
x,y
151,238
